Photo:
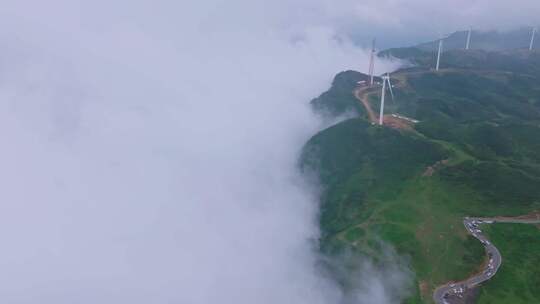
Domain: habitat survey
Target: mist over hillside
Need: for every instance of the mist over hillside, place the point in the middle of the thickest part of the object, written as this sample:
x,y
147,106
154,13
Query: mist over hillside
x,y
149,152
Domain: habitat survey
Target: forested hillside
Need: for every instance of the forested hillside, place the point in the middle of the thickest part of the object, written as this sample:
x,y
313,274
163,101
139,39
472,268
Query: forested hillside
x,y
474,152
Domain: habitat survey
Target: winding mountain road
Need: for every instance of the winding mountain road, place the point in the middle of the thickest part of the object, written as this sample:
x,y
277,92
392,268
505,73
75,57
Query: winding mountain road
x,y
449,290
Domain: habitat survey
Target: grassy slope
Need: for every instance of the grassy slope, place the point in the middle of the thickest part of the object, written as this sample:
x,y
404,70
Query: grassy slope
x,y
485,123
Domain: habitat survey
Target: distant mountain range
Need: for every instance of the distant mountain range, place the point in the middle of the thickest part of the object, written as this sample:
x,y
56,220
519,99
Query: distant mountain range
x,y
487,41
489,51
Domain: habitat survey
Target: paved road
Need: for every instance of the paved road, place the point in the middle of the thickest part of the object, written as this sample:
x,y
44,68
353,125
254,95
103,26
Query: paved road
x,y
452,290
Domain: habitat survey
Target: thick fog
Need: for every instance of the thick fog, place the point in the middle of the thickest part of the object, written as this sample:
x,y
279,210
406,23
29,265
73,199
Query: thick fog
x,y
149,149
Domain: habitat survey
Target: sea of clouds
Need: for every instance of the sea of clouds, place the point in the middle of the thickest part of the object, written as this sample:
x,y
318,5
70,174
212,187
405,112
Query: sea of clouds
x,y
148,151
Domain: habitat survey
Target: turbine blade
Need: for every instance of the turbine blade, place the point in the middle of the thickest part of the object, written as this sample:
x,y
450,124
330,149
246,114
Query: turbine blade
x,y
390,87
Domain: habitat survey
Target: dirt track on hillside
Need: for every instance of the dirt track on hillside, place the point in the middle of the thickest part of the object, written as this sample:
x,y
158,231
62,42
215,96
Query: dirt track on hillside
x,y
390,121
359,93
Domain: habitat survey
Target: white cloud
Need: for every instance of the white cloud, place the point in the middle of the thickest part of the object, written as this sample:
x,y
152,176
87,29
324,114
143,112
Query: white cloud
x,y
149,148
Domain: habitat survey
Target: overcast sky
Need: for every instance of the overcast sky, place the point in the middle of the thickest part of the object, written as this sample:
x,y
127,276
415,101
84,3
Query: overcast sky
x,y
401,22
149,147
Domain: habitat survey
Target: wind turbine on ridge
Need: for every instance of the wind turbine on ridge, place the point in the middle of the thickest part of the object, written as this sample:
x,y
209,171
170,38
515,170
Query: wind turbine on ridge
x,y
372,63
531,45
469,34
441,39
385,79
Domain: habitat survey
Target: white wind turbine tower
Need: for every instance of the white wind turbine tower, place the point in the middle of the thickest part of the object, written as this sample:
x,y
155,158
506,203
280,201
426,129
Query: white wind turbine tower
x,y
469,34
531,46
372,63
385,78
439,53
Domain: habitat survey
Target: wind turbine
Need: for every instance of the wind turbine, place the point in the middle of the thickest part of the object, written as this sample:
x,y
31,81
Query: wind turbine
x,y
439,53
385,78
531,46
469,34
372,63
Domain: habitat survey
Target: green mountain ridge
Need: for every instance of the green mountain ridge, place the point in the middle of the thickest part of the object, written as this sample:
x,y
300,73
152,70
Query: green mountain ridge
x,y
338,100
484,40
475,152
517,61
